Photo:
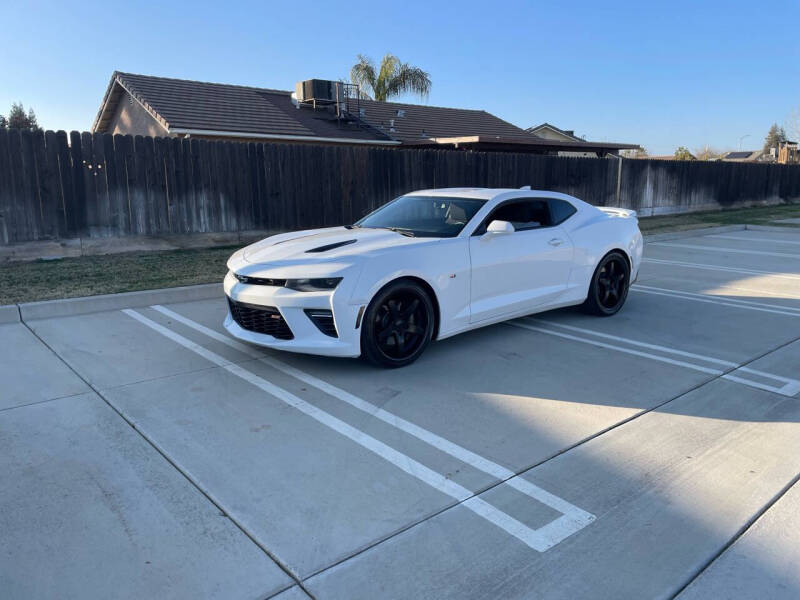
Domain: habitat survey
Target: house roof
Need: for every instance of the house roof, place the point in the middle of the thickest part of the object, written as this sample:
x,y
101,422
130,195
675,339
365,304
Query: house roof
x,y
570,134
182,106
421,121
742,155
518,143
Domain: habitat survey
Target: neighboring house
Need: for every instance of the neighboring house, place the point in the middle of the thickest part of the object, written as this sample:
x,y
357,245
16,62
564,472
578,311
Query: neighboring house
x,y
788,153
745,156
319,111
551,132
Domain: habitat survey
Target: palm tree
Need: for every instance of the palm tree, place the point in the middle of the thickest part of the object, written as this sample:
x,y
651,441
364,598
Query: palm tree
x,y
392,79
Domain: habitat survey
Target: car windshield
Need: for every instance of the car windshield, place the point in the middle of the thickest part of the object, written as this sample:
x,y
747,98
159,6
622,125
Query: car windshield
x,y
424,216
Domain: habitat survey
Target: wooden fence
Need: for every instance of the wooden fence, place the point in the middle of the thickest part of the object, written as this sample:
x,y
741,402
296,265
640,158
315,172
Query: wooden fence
x,y
54,185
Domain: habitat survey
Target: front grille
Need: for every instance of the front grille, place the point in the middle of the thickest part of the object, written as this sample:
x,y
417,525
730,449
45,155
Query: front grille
x,y
260,319
323,319
260,280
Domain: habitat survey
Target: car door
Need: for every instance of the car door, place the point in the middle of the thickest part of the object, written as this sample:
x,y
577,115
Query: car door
x,y
522,270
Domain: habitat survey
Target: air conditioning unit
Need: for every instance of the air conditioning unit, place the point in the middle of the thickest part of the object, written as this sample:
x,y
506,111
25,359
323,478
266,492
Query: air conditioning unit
x,y
320,90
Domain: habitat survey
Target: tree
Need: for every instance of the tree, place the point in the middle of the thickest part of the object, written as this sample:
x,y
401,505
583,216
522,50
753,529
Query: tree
x,y
707,153
682,153
640,152
19,119
391,79
775,136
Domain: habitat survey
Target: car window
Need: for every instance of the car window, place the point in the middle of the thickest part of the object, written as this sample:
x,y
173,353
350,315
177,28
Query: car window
x,y
561,210
522,214
424,216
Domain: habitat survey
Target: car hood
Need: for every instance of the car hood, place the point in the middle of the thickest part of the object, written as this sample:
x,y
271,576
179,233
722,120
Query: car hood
x,y
324,245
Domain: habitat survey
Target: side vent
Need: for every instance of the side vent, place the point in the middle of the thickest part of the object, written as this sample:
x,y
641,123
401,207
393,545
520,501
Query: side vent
x,y
331,246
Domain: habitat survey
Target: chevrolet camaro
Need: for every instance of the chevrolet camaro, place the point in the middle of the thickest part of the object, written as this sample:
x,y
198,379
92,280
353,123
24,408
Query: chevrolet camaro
x,y
428,265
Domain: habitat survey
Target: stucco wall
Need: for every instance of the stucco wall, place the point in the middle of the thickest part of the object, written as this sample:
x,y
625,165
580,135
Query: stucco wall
x,y
131,118
549,134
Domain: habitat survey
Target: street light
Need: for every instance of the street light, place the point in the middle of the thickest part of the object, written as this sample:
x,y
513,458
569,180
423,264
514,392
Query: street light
x,y
741,138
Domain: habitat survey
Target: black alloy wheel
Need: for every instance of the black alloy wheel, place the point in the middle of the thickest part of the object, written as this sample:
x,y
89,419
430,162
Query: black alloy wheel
x,y
398,325
609,287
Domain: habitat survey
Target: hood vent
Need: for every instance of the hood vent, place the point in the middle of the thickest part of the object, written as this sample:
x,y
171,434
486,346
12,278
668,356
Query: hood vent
x,y
331,246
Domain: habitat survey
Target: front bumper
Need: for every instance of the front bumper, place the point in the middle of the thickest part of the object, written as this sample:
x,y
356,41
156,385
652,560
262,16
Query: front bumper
x,y
308,339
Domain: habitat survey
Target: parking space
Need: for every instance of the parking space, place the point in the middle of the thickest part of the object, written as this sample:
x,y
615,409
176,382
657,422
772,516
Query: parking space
x,y
24,361
556,456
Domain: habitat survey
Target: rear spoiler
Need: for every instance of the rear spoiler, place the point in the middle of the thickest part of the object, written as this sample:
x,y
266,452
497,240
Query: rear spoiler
x,y
624,213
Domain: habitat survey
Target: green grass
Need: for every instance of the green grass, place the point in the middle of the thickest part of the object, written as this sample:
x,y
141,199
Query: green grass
x,y
113,273
761,215
110,274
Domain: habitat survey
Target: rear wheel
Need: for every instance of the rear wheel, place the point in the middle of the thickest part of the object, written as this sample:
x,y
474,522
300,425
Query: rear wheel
x,y
398,325
609,287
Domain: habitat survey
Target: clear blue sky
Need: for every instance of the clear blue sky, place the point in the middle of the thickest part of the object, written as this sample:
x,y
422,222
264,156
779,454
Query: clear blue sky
x,y
661,74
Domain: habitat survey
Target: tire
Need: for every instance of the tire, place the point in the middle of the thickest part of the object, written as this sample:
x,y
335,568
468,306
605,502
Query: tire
x,y
609,287
398,325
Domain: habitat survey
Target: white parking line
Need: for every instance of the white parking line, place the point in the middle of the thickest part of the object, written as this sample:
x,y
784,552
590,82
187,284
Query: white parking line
x,y
625,340
691,265
572,519
725,250
745,304
790,386
753,239
664,359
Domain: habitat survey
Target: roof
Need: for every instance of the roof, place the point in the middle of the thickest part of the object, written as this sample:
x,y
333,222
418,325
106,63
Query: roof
x,y
518,142
742,155
420,121
216,109
488,193
570,134
180,104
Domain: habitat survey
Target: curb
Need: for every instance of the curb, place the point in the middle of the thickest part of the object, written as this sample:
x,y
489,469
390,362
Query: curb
x,y
788,229
78,306
676,235
9,314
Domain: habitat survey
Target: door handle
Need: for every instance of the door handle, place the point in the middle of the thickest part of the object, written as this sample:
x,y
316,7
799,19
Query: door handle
x,y
555,242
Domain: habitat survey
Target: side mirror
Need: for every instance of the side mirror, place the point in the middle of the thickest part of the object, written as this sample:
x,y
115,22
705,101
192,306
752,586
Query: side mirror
x,y
499,228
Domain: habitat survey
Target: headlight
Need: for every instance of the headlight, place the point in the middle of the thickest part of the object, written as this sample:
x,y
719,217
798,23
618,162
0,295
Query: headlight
x,y
313,285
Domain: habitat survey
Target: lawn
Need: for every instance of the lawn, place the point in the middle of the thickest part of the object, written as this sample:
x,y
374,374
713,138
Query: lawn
x,y
113,273
762,215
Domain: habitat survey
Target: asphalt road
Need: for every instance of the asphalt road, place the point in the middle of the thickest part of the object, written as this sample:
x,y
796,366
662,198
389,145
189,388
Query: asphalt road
x,y
654,454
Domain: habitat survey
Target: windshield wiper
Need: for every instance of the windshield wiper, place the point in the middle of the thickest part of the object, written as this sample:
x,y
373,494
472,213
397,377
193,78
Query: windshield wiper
x,y
405,232
400,230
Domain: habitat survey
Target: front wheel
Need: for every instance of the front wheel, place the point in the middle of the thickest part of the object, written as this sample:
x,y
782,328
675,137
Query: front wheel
x,y
609,287
398,325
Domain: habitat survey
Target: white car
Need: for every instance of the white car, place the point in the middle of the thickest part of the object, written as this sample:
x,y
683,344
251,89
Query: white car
x,y
428,265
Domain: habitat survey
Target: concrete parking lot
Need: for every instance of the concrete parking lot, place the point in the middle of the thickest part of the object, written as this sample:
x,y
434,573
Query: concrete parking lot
x,y
654,454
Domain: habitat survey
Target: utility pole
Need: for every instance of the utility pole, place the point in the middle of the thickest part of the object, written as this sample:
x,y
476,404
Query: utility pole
x,y
741,138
